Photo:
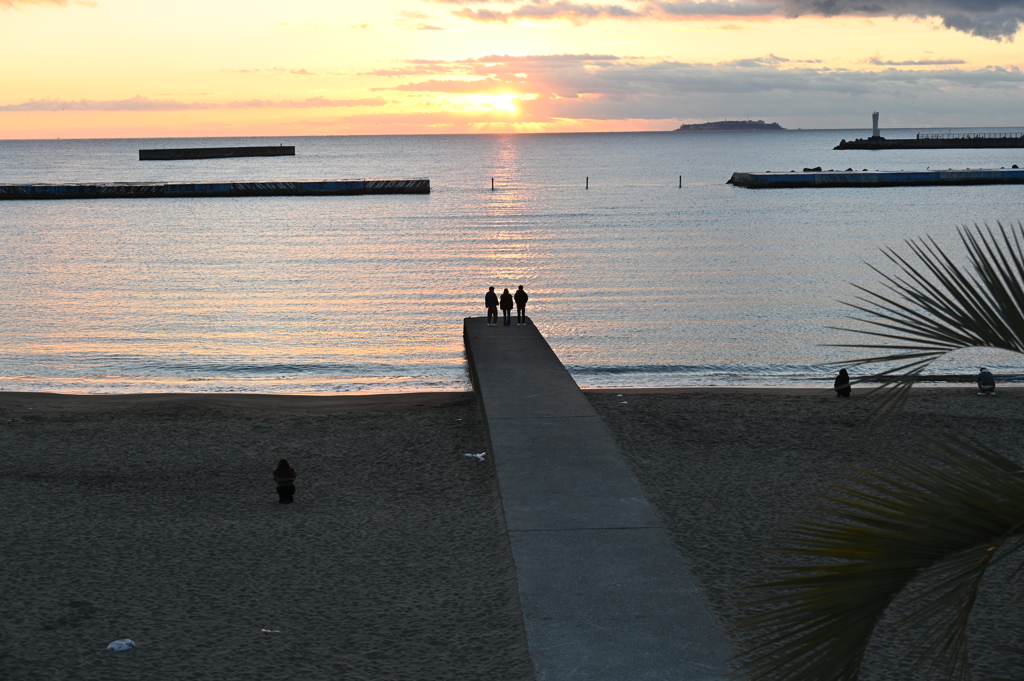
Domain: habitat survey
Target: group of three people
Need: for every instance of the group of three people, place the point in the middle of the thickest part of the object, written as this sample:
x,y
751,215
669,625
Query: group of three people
x,y
492,302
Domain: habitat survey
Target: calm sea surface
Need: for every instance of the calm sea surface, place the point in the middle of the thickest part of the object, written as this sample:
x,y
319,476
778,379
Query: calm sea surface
x,y
634,281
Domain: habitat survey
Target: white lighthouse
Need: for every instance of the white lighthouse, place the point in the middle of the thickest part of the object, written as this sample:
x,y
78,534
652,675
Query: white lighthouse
x,y
874,125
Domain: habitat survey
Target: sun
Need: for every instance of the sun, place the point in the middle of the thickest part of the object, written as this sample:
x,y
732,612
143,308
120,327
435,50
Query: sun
x,y
504,102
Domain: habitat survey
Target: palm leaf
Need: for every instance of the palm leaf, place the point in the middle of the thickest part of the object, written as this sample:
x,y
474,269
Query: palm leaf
x,y
932,307
944,518
935,307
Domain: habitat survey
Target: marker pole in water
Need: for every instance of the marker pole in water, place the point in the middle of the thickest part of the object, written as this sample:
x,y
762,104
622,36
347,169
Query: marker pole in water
x,y
588,181
680,181
492,184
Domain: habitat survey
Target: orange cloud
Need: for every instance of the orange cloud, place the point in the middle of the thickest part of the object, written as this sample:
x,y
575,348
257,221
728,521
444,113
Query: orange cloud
x,y
546,88
139,103
58,3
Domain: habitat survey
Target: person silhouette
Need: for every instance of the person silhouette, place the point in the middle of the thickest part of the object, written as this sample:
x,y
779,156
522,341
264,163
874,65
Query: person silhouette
x,y
284,476
491,301
521,297
986,382
506,307
842,384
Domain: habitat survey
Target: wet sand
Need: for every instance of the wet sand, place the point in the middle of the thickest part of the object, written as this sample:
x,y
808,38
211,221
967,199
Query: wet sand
x,y
155,518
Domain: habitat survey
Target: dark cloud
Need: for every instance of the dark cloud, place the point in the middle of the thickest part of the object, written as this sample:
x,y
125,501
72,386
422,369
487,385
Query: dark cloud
x,y
916,62
992,19
139,103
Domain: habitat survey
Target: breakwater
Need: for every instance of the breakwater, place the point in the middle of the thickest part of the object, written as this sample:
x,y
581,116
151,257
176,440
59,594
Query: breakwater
x,y
884,178
162,190
938,141
212,152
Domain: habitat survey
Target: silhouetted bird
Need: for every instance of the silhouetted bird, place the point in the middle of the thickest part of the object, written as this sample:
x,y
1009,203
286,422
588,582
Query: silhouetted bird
x,y
843,384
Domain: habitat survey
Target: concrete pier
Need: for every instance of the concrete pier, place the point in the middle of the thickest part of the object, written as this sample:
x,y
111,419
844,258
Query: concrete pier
x,y
885,178
163,190
605,595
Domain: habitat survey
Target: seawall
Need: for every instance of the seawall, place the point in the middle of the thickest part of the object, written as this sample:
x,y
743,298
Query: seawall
x,y
212,152
885,178
872,144
156,190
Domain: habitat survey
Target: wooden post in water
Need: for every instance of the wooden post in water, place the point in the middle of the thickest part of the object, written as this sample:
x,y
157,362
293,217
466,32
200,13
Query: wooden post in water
x,y
680,181
588,181
492,184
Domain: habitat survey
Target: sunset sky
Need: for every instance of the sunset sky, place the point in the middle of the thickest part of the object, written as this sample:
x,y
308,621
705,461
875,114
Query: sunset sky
x,y
140,68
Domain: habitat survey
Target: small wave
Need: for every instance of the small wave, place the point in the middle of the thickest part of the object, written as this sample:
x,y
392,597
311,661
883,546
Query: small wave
x,y
703,370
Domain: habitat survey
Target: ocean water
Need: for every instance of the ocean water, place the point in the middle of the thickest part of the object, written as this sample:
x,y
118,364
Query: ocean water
x,y
636,281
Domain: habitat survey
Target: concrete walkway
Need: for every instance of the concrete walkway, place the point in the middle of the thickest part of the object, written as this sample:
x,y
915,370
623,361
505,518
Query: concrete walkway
x,y
605,595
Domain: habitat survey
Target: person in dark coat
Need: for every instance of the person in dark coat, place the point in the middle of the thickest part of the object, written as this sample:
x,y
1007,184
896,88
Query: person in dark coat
x,y
843,384
506,307
284,476
491,301
986,382
521,297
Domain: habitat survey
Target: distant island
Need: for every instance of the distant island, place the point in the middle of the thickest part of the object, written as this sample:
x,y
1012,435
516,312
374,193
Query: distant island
x,y
729,126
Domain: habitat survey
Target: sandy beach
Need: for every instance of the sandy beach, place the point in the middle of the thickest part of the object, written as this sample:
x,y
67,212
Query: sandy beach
x,y
154,517
726,468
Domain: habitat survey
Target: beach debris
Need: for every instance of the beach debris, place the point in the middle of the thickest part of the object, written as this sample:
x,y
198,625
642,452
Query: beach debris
x,y
121,644
623,402
271,631
478,457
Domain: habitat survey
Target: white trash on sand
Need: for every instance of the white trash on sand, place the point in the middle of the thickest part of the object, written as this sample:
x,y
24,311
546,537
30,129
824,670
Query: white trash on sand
x,y
121,645
478,457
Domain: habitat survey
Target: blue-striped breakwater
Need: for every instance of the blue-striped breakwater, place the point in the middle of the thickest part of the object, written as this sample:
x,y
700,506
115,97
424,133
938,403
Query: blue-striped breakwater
x,y
885,178
153,190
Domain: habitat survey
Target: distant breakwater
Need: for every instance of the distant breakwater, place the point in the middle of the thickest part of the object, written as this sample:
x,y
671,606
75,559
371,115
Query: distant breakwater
x,y
155,190
980,141
885,178
212,152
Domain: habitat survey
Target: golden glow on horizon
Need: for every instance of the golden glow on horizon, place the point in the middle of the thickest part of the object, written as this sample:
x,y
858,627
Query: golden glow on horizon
x,y
123,68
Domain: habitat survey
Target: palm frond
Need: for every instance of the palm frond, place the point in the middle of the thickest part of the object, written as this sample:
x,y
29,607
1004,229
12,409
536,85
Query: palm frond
x,y
931,307
944,518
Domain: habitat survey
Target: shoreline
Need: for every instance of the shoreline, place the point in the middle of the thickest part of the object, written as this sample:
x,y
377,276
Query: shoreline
x,y
366,401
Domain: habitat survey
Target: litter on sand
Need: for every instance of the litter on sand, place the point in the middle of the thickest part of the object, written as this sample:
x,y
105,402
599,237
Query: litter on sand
x,y
478,457
121,645
271,631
